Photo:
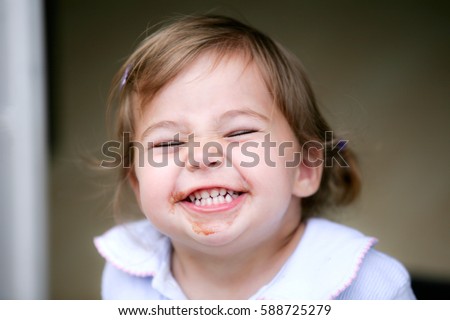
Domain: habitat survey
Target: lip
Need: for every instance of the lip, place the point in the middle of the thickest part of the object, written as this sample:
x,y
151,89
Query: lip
x,y
215,208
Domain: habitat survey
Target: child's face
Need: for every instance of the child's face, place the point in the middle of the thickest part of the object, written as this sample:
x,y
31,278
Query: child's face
x,y
229,107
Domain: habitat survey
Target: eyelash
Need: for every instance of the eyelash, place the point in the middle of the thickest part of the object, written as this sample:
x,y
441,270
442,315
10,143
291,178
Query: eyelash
x,y
240,133
173,144
168,144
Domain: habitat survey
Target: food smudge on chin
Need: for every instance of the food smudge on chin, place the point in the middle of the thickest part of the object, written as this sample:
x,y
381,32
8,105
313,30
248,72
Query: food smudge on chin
x,y
199,229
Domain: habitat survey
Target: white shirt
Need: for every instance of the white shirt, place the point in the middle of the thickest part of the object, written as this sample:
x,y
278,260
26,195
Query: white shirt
x,y
331,261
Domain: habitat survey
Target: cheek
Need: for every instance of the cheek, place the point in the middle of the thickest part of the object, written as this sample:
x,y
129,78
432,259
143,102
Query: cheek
x,y
265,169
155,186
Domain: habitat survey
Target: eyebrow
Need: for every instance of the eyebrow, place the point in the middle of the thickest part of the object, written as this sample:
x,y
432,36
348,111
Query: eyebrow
x,y
243,112
159,125
167,124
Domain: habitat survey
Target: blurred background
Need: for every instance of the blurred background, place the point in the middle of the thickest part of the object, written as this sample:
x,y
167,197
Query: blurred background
x,y
381,72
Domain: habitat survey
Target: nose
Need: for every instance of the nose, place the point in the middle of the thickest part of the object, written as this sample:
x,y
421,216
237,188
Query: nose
x,y
204,155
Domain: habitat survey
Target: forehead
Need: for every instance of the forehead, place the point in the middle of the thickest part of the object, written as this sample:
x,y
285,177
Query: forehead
x,y
210,80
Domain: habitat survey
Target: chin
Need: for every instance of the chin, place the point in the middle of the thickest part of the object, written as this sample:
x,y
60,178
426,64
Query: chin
x,y
213,236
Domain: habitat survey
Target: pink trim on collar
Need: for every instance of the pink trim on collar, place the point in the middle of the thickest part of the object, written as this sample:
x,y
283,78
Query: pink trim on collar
x,y
369,245
119,266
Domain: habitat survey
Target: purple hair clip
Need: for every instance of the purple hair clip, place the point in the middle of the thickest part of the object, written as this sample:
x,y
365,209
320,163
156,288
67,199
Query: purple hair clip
x,y
124,79
342,144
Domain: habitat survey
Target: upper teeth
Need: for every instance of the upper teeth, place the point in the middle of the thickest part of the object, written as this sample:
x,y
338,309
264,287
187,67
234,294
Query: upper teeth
x,y
213,196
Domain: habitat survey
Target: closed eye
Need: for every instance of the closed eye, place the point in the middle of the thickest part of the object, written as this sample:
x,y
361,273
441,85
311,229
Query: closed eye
x,y
240,133
168,144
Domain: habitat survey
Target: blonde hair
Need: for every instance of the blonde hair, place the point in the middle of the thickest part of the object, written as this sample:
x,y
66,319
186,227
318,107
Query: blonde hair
x,y
165,53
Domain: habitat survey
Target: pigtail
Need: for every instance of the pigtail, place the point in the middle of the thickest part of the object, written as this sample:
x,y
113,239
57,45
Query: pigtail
x,y
340,185
345,181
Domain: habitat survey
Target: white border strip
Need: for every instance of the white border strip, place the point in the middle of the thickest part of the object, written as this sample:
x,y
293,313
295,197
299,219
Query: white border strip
x,y
345,310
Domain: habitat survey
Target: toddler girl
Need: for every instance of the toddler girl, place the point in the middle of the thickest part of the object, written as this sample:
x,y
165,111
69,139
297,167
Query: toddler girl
x,y
231,162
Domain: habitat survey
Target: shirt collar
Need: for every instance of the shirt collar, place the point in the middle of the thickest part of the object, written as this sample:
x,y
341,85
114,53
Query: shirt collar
x,y
140,250
324,264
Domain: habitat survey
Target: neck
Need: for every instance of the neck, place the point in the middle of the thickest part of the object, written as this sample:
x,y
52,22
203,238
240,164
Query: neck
x,y
234,276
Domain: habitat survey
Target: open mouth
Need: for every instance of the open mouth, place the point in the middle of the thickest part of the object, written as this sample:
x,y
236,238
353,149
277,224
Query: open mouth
x,y
214,196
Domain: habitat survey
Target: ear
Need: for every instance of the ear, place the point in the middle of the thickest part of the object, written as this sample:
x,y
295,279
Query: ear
x,y
307,178
134,184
